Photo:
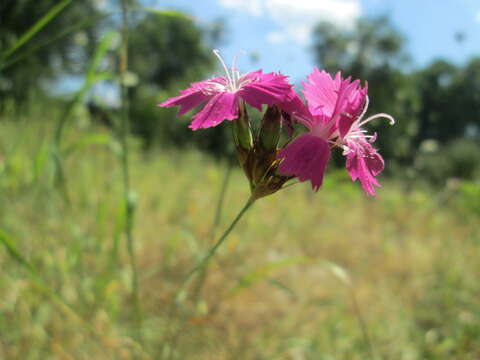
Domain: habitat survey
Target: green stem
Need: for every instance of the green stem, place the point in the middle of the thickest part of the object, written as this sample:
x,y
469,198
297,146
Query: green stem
x,y
216,222
39,283
362,323
205,260
218,212
201,265
129,203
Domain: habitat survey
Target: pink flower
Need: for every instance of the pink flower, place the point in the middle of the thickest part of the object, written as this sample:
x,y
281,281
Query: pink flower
x,y
363,160
364,163
334,118
306,158
224,93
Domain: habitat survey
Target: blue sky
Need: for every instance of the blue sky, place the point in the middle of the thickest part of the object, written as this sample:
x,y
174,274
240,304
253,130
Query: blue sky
x,y
278,30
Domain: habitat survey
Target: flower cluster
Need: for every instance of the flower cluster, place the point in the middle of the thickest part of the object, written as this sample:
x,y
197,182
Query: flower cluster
x,y
333,116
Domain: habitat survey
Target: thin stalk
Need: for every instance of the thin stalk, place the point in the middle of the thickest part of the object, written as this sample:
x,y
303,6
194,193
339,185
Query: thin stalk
x,y
216,222
39,25
362,323
200,266
206,259
129,204
60,179
34,48
91,78
218,211
39,283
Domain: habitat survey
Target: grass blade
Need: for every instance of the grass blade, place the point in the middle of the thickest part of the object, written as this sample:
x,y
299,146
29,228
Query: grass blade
x,y
169,13
262,273
39,25
7,241
70,30
90,79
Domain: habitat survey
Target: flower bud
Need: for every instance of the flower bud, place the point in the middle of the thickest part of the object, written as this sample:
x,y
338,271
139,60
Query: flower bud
x,y
270,129
242,135
242,132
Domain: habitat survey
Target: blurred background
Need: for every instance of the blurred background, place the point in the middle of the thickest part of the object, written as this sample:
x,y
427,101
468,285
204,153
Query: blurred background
x,y
341,276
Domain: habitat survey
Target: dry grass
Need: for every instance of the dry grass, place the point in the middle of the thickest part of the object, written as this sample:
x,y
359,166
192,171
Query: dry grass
x,y
271,291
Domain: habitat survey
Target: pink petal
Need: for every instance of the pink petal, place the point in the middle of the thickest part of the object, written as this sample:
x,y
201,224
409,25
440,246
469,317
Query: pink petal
x,y
306,158
296,108
352,98
264,89
220,107
196,94
186,101
294,105
364,163
339,99
321,92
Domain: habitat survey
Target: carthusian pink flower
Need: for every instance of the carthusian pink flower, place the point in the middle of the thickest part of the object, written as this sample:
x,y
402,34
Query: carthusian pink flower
x,y
333,118
224,93
363,160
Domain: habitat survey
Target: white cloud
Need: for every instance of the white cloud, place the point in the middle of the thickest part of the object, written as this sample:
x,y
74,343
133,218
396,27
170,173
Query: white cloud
x,y
276,37
477,17
297,18
252,6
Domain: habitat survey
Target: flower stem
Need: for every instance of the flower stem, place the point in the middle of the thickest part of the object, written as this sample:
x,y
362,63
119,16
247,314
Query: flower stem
x,y
218,214
129,202
200,266
205,260
362,323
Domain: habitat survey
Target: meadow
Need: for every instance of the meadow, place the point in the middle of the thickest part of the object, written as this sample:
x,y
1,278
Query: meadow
x,y
331,275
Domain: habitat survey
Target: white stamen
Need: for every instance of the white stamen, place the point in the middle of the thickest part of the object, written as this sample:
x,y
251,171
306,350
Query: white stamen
x,y
358,131
376,116
233,75
365,107
356,134
217,54
235,71
346,150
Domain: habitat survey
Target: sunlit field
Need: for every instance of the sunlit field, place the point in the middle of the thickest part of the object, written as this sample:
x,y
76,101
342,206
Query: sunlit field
x,y
334,275
176,180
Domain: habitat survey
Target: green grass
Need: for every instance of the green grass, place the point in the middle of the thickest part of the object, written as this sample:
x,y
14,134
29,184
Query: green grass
x,y
411,260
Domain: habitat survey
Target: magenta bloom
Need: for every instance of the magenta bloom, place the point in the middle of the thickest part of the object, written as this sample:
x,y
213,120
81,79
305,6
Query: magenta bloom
x,y
363,160
224,93
306,158
333,117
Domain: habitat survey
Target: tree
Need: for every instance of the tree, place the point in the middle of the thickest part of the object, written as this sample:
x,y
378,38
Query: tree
x,y
167,53
373,50
371,44
437,98
65,54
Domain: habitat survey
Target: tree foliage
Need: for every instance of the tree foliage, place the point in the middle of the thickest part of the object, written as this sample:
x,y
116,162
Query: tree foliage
x,y
439,103
65,54
167,53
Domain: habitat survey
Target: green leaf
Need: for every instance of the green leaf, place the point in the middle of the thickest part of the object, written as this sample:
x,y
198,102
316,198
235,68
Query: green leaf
x,y
32,49
169,13
264,272
100,52
91,78
39,25
16,255
85,141
339,272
